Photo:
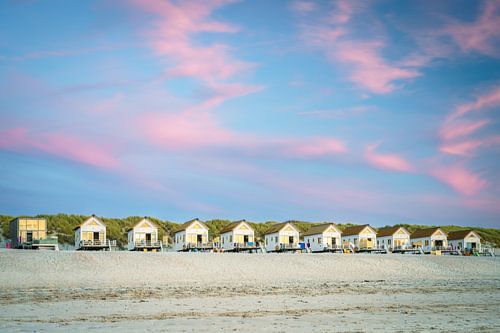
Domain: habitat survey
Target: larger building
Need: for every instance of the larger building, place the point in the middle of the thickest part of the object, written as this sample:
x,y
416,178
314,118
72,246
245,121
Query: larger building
x,y
31,233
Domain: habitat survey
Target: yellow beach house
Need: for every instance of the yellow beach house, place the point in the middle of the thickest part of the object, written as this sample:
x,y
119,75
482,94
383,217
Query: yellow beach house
x,y
192,236
237,236
465,240
323,238
393,238
91,235
429,239
282,237
31,233
361,237
144,237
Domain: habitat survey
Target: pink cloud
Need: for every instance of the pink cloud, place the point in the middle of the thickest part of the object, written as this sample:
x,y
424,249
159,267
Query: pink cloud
x,y
191,130
386,161
467,147
172,37
315,147
487,100
460,179
457,129
185,130
59,144
303,6
482,35
369,69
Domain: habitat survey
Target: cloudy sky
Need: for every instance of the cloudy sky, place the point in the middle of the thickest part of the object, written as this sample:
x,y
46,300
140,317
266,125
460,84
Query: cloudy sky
x,y
376,112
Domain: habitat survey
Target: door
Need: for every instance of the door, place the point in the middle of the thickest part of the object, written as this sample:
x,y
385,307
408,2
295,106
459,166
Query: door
x,y
148,238
438,243
29,236
290,240
96,236
199,239
245,239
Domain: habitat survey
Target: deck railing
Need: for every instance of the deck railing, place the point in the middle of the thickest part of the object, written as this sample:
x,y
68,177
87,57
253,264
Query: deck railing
x,y
45,241
441,248
97,243
244,245
138,244
199,246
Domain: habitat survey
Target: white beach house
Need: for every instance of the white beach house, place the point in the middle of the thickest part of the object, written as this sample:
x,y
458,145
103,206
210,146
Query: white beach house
x,y
282,237
464,240
91,235
192,235
237,236
144,237
429,239
393,238
362,237
323,237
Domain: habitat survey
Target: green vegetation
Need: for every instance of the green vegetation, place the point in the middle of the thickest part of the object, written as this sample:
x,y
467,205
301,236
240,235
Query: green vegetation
x,y
62,225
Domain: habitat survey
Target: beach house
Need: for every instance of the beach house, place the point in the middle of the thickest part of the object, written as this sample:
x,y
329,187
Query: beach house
x,y
282,237
237,236
91,235
192,236
323,237
144,237
361,237
393,238
464,240
429,239
31,233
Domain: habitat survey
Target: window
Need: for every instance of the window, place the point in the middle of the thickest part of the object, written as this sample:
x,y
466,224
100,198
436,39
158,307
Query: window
x,y
319,240
276,241
427,243
230,239
389,242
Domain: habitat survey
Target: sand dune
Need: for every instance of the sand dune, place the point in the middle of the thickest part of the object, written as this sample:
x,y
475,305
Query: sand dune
x,y
121,291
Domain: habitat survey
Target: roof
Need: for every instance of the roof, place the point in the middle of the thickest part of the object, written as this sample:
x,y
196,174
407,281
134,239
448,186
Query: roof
x,y
384,232
186,225
460,234
232,226
427,232
319,229
145,218
277,227
87,219
354,230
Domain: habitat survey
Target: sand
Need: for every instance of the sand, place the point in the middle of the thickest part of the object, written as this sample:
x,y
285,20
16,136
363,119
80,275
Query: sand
x,y
43,291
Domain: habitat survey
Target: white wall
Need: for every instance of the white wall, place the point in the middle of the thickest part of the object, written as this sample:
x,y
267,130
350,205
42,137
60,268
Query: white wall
x,y
181,238
271,242
138,233
87,227
430,240
354,239
319,242
465,243
227,240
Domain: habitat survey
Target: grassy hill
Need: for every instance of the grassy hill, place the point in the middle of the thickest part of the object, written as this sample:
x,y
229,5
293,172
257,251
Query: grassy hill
x,y
62,225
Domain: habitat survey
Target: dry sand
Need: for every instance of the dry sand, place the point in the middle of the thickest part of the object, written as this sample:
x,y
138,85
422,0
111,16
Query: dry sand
x,y
132,292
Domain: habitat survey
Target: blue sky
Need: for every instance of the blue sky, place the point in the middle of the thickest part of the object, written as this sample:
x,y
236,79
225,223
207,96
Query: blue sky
x,y
376,112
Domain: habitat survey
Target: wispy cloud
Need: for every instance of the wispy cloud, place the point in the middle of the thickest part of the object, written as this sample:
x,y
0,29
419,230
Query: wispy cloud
x,y
60,144
386,161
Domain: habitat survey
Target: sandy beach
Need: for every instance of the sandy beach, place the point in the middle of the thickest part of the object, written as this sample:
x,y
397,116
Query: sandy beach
x,y
125,292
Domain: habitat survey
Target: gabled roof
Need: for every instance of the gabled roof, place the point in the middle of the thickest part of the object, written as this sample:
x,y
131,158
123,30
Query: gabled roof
x,y
186,225
427,232
354,230
384,232
233,225
461,234
319,229
277,227
144,219
88,219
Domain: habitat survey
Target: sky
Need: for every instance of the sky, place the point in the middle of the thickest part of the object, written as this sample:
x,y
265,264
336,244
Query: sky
x,y
378,112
